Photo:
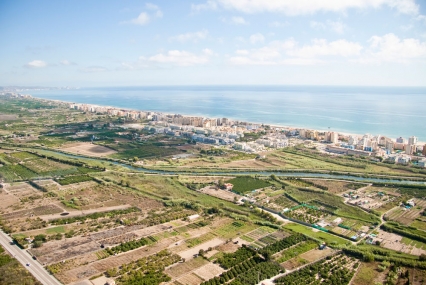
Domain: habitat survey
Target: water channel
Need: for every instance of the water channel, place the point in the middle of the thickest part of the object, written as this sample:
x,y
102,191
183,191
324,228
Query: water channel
x,y
299,174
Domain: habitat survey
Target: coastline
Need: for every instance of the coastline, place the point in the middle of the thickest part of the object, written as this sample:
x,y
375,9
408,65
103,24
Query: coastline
x,y
289,127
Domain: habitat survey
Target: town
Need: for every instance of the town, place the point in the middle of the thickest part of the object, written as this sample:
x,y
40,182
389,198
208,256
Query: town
x,y
223,131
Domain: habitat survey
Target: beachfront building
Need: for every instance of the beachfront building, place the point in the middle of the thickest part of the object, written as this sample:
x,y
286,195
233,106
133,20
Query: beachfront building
x,y
400,140
352,140
280,141
410,149
399,158
248,147
347,151
424,150
332,137
412,140
389,146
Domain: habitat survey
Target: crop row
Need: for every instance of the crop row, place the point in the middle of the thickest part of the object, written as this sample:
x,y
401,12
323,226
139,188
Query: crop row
x,y
73,179
283,244
321,272
127,246
296,250
145,271
94,216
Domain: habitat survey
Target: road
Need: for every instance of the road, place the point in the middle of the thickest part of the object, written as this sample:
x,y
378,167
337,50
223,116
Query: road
x,y
35,268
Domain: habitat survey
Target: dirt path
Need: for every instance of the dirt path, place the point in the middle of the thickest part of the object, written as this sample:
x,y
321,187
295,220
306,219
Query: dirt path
x,y
84,212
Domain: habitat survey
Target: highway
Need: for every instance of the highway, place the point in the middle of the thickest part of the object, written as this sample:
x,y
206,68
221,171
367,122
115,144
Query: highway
x,y
35,268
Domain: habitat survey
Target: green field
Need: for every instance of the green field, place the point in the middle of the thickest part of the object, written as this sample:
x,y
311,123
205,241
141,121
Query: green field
x,y
246,184
419,225
142,150
74,179
319,235
56,230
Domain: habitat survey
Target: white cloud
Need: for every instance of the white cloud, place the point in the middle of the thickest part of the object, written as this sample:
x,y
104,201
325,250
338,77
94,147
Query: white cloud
x,y
67,62
208,52
201,35
36,64
242,52
209,5
144,17
301,7
151,6
277,24
335,26
141,20
93,69
256,38
240,39
317,25
239,21
390,48
321,47
180,58
289,52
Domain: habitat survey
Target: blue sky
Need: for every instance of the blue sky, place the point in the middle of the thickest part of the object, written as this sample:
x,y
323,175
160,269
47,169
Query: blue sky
x,y
206,42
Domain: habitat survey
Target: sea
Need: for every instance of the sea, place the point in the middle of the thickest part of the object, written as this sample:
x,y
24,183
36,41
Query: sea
x,y
389,111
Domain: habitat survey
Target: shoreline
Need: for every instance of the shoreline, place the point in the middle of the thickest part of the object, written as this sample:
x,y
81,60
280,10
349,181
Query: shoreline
x,y
343,133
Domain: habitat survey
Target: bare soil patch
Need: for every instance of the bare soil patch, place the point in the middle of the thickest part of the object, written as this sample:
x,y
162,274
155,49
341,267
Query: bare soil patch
x,y
7,200
209,271
190,279
188,254
219,193
179,269
42,210
88,149
316,254
8,117
394,241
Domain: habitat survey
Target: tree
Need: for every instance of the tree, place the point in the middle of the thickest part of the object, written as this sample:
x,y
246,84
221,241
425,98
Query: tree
x,y
368,257
201,252
37,243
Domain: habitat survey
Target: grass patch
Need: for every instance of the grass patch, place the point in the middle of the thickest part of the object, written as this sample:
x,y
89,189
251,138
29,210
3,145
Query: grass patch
x,y
318,235
365,275
56,230
73,179
246,184
421,225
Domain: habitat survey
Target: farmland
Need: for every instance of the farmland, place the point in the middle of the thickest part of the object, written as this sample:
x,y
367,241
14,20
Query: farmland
x,y
247,184
94,215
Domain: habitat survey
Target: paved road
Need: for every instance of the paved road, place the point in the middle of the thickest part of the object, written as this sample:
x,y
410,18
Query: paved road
x,y
35,268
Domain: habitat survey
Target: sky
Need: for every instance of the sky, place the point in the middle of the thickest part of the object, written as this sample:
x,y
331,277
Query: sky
x,y
84,43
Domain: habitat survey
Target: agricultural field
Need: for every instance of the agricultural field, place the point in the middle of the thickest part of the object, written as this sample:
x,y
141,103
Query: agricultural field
x,y
373,273
329,202
245,184
335,186
372,198
316,234
86,224
406,216
12,272
338,269
400,244
143,150
24,165
73,179
221,194
88,149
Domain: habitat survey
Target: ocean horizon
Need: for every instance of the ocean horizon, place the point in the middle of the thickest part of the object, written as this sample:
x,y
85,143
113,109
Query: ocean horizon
x,y
389,111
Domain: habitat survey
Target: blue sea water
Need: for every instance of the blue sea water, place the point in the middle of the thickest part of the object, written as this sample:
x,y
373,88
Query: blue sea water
x,y
390,111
